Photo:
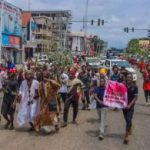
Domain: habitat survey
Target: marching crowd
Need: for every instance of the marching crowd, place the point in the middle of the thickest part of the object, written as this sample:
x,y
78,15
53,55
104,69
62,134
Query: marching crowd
x,y
42,94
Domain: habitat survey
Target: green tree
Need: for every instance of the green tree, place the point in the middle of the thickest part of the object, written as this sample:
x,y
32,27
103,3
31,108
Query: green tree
x,y
61,58
97,43
134,48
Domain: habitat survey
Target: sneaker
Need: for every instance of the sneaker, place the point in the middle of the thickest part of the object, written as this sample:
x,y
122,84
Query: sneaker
x,y
84,108
11,127
7,125
101,137
56,128
63,125
88,108
130,131
126,141
31,129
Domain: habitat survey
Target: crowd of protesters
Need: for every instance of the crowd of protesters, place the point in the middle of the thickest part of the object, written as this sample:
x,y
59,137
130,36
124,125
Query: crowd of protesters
x,y
43,94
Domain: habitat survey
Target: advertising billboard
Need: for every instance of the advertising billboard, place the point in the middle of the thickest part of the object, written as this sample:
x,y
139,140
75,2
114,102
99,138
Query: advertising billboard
x,y
10,41
11,19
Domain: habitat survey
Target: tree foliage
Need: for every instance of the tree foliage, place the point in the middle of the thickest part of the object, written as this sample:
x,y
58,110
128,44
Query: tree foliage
x,y
98,44
134,48
61,58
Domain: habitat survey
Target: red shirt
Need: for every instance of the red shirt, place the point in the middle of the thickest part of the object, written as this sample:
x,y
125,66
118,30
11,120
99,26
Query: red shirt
x,y
142,66
146,84
132,61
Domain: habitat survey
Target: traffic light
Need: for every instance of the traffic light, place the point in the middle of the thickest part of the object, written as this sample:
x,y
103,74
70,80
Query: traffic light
x,y
133,29
92,22
126,29
103,22
99,22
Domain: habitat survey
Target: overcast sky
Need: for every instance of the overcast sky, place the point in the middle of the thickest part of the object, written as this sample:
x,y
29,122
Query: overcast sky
x,y
117,13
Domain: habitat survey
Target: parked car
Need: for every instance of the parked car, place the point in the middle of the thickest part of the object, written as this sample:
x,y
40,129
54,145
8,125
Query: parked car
x,y
109,63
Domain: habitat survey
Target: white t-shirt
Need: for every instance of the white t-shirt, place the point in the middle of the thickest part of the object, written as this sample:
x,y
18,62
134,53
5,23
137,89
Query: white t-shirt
x,y
64,79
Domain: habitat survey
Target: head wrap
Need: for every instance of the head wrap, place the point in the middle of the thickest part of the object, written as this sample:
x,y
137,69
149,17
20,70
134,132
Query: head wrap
x,y
72,73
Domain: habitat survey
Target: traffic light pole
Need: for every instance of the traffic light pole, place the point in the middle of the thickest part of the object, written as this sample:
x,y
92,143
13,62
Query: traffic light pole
x,y
86,16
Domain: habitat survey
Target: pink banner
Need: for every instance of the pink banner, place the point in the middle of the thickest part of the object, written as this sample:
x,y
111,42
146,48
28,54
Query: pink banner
x,y
115,95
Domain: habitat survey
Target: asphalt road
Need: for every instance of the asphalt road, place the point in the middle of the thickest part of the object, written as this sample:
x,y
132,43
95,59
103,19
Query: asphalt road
x,y
85,135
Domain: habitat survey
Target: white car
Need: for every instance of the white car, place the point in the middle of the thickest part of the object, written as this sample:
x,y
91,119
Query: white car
x,y
109,63
94,62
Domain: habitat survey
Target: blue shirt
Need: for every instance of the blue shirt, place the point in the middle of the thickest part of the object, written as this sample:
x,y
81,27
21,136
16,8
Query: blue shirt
x,y
10,66
99,91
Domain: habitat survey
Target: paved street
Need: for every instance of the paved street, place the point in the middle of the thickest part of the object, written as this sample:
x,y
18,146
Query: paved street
x,y
84,136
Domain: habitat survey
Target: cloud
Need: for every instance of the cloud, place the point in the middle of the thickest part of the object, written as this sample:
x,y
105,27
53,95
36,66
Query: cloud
x,y
115,19
118,14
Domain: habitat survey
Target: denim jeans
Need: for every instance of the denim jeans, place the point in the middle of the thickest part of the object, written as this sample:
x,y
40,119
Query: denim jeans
x,y
128,115
74,103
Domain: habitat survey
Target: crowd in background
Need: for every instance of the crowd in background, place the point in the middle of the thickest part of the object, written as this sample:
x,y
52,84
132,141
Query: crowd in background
x,y
44,94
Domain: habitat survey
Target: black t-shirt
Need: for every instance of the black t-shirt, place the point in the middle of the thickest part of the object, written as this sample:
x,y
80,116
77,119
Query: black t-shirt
x,y
11,88
132,92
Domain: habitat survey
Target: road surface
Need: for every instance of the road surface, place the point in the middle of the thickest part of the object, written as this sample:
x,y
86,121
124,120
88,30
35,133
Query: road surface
x,y
85,135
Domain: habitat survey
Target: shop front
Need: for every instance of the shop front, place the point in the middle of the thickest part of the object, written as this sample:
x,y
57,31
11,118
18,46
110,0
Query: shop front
x,y
11,32
11,48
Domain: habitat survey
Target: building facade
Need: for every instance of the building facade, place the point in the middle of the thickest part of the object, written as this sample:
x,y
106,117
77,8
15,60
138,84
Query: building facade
x,y
77,43
29,26
61,25
43,34
11,33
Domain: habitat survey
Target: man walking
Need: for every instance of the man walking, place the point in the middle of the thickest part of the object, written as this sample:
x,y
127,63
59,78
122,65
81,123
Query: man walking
x,y
29,101
101,108
85,78
128,113
10,89
72,98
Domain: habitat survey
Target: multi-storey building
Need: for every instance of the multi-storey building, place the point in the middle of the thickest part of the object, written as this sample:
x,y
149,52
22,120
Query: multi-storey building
x,y
43,34
77,42
28,37
60,26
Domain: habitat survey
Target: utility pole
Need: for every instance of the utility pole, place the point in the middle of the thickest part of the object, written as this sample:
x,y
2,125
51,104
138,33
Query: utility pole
x,y
86,22
86,16
29,5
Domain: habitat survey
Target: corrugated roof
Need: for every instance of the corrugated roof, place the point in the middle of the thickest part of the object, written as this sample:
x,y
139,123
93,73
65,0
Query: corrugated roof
x,y
25,17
